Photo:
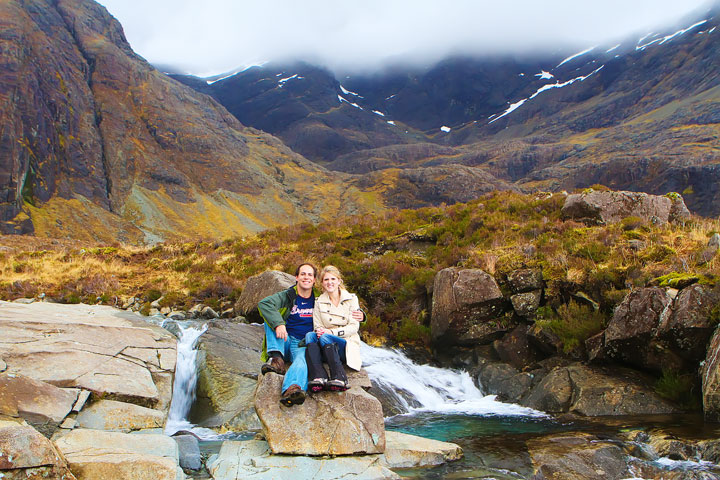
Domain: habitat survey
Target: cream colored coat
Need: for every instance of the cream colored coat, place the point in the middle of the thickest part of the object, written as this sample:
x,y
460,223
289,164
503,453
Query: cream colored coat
x,y
340,323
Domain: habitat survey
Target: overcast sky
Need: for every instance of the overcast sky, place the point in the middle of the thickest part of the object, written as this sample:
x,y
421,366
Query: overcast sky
x,y
206,37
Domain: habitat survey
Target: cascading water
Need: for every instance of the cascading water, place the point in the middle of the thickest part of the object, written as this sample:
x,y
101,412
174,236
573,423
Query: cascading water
x,y
423,388
185,378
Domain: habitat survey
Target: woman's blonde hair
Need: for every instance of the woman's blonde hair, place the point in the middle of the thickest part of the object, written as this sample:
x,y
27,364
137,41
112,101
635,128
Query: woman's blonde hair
x,y
334,270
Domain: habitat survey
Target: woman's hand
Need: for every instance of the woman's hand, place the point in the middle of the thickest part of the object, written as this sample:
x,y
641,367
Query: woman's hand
x,y
320,331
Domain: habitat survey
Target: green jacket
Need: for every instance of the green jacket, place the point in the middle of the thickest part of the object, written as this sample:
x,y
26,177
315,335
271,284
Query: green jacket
x,y
275,309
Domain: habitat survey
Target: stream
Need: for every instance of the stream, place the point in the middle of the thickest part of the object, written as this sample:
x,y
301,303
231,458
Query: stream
x,y
446,405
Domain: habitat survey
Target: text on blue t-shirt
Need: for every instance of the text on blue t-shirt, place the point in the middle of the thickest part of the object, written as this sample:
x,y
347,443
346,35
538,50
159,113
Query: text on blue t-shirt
x,y
300,321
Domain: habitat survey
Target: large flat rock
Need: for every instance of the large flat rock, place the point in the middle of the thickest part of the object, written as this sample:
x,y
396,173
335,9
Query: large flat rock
x,y
113,353
27,454
98,455
253,459
409,451
119,416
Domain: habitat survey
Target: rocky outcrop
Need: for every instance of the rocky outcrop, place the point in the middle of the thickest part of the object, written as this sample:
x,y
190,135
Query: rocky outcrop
x,y
26,454
605,207
112,353
119,416
408,451
593,392
327,423
228,366
258,287
576,456
465,302
98,455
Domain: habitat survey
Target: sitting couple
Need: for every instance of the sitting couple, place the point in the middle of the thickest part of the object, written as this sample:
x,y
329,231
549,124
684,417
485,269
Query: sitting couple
x,y
304,330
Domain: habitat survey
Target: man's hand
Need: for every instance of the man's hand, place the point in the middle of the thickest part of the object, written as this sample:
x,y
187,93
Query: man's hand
x,y
281,332
357,315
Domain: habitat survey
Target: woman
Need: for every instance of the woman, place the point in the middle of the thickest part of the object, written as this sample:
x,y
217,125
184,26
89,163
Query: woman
x,y
336,320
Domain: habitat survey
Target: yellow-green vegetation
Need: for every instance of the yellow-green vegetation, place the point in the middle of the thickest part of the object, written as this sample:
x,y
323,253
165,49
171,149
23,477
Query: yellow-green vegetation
x,y
389,259
679,388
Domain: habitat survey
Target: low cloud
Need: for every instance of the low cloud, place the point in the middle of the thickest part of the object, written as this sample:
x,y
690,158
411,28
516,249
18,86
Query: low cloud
x,y
220,35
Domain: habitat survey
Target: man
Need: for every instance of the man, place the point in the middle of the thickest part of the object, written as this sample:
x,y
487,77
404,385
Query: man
x,y
288,318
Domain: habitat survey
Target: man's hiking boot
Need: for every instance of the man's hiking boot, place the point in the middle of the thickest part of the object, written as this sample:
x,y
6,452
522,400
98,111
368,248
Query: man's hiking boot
x,y
275,364
294,395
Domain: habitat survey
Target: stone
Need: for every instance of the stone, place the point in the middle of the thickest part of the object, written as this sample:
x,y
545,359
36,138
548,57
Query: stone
x,y
42,405
410,451
714,241
177,315
526,304
258,287
3,365
189,451
690,323
544,339
254,459
228,365
82,398
608,207
24,301
710,376
575,456
327,423
113,353
553,394
634,325
119,416
464,302
514,348
98,455
525,280
209,313
595,347
27,454
504,381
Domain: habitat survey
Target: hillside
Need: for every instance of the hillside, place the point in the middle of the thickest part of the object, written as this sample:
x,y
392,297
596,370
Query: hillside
x,y
98,145
637,115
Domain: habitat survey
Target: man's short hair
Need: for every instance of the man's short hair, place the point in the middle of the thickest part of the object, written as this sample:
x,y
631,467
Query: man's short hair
x,y
297,270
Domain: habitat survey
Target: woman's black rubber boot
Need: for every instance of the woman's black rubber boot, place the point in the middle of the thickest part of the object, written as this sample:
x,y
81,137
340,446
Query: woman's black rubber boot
x,y
338,379
316,372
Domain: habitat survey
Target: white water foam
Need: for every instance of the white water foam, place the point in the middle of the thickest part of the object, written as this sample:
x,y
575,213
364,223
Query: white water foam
x,y
433,389
185,378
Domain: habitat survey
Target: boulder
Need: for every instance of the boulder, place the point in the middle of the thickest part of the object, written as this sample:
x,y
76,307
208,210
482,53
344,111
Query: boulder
x,y
504,381
514,348
119,416
98,455
409,451
228,365
258,287
593,392
463,304
3,365
327,423
690,324
710,375
25,453
526,304
576,456
253,459
42,405
113,353
525,280
189,451
610,207
634,325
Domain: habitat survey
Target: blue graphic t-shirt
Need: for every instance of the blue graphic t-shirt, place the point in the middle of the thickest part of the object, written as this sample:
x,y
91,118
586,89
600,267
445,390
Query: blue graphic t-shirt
x,y
300,321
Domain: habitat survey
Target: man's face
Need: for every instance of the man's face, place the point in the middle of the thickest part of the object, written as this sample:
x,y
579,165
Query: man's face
x,y
306,277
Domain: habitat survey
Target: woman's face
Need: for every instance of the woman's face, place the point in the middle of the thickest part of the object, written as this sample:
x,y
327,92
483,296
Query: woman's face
x,y
330,283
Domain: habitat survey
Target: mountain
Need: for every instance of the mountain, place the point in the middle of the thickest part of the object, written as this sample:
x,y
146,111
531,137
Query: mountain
x,y
641,115
95,143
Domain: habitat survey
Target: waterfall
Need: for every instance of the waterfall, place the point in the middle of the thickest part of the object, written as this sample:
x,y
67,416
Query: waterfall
x,y
185,378
423,388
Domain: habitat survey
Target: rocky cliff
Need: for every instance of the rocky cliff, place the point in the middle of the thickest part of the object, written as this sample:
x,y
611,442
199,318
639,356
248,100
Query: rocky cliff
x,y
97,144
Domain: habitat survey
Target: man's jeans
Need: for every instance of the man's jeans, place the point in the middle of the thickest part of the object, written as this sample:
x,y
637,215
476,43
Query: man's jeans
x,y
327,339
298,372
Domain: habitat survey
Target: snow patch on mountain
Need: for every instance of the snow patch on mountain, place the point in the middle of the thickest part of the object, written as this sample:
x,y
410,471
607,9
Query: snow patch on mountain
x,y
544,75
348,92
376,112
445,128
575,56
613,48
680,32
341,99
